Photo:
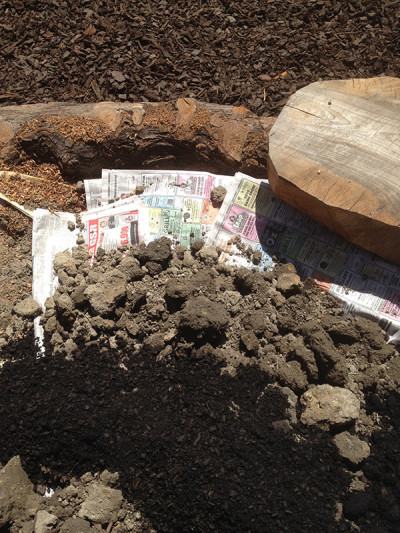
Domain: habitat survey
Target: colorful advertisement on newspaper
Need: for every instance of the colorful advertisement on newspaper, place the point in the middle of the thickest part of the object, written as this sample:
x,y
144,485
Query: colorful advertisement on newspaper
x,y
112,231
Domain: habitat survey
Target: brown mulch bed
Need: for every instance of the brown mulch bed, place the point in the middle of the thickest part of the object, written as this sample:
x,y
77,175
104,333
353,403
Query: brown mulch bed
x,y
250,52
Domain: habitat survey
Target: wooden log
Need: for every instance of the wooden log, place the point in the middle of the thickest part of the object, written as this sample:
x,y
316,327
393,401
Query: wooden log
x,y
84,138
334,153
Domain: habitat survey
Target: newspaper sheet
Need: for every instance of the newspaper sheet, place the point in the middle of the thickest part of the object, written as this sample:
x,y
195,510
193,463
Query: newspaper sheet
x,y
93,193
179,203
119,224
50,235
122,183
365,283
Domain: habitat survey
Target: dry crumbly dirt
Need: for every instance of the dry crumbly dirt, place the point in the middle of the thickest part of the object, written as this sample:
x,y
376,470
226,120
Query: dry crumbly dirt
x,y
181,375
47,190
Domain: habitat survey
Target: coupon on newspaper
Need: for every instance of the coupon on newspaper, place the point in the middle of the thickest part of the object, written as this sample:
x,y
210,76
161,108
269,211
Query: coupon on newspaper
x,y
179,203
252,216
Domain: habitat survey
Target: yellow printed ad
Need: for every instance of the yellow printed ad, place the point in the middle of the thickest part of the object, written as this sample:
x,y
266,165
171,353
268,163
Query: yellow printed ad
x,y
155,220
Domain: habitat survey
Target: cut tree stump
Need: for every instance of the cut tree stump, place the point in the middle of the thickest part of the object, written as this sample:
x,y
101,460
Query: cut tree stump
x,y
334,153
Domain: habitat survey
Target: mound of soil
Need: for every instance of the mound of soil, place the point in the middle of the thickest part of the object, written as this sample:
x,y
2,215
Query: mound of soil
x,y
248,52
183,376
180,375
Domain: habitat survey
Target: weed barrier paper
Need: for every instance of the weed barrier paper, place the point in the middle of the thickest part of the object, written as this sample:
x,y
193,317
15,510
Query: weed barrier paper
x,y
253,216
177,204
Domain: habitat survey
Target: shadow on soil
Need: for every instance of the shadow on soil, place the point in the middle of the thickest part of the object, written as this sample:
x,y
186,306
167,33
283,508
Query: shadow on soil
x,y
378,509
196,450
315,251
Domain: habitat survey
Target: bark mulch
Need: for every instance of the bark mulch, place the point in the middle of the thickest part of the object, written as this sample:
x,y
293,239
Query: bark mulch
x,y
250,52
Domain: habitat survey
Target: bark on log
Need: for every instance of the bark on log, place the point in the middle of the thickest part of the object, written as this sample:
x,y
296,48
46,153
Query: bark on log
x,y
84,138
334,153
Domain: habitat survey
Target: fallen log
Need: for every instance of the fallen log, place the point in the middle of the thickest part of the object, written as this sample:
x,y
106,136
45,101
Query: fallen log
x,y
81,139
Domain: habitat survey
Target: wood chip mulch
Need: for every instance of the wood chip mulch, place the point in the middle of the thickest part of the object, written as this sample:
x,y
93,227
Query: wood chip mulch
x,y
47,190
248,52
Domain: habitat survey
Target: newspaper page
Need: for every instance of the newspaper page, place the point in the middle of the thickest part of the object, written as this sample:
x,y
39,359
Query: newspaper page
x,y
93,193
50,235
179,203
251,215
122,183
119,224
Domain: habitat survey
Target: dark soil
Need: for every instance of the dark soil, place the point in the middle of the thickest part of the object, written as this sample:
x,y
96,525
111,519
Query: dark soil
x,y
177,382
157,380
253,53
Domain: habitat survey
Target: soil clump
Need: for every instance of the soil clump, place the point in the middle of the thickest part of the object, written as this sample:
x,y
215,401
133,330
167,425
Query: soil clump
x,y
224,399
